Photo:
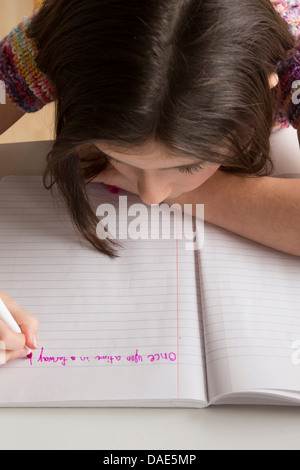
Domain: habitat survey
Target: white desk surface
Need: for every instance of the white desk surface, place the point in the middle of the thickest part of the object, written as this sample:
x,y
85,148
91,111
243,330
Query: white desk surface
x,y
151,429
226,427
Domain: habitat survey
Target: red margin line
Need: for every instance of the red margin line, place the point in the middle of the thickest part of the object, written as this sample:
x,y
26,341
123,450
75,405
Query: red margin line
x,y
177,279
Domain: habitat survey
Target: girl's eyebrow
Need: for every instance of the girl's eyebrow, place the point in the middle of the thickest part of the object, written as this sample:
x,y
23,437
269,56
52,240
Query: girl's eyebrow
x,y
190,165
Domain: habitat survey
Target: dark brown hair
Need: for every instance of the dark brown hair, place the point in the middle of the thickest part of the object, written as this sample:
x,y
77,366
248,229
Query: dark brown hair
x,y
190,74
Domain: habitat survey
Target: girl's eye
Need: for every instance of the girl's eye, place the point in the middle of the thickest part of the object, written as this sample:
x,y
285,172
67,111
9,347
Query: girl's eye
x,y
191,169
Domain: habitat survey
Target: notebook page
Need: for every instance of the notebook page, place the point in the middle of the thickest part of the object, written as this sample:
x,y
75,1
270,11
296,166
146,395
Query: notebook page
x,y
111,331
251,304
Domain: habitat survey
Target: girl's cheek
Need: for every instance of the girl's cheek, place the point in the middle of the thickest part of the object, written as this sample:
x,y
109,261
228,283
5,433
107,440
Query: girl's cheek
x,y
211,170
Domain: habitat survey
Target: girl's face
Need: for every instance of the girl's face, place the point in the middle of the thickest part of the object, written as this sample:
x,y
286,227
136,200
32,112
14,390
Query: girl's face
x,y
152,173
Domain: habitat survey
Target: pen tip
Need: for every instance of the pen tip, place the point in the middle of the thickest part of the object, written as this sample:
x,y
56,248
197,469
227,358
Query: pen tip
x,y
29,356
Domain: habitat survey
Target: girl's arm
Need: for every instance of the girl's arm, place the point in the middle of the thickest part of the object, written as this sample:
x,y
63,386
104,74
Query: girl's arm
x,y
27,89
9,114
265,209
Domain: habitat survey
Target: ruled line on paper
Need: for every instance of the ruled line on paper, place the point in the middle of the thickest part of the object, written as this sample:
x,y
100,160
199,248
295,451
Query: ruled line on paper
x,y
251,299
171,290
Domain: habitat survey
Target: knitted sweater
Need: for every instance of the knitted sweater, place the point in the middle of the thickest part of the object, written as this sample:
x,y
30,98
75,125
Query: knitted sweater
x,y
30,89
289,71
25,84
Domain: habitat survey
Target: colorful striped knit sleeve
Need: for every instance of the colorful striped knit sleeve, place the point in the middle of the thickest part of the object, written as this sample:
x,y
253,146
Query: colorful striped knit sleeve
x,y
25,84
289,71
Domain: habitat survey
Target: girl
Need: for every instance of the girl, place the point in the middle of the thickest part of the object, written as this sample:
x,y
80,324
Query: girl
x,y
173,100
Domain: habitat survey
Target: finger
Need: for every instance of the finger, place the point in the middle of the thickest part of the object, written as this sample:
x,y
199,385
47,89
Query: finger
x,y
10,339
6,356
27,322
22,353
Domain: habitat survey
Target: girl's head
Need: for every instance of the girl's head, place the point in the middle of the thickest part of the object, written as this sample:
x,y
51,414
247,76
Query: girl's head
x,y
156,85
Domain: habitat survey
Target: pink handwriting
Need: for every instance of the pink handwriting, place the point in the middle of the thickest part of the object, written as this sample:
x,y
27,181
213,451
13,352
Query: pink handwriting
x,y
61,359
109,359
157,357
136,358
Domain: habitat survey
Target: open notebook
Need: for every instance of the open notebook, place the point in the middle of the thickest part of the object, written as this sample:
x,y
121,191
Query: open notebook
x,y
159,326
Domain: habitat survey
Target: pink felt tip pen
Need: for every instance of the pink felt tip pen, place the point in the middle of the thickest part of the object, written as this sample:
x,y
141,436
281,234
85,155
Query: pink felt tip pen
x,y
7,317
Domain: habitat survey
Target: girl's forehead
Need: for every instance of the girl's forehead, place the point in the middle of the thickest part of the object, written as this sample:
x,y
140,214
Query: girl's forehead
x,y
152,150
149,148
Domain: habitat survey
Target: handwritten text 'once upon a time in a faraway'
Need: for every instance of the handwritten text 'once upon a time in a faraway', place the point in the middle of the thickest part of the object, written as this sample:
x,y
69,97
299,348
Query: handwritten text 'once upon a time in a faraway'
x,y
135,358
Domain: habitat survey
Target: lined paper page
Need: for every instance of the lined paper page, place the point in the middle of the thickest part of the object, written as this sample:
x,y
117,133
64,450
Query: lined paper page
x,y
251,298
110,330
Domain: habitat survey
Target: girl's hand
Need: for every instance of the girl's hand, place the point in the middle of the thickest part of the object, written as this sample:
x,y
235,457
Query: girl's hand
x,y
113,177
12,345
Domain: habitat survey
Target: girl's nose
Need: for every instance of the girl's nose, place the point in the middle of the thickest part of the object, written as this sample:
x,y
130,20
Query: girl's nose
x,y
152,190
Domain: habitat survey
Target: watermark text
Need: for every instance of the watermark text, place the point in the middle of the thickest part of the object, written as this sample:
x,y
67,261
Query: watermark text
x,y
2,93
155,222
296,94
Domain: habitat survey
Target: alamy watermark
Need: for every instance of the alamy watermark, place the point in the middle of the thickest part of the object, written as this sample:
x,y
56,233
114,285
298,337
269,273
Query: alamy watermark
x,y
155,222
2,93
296,94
